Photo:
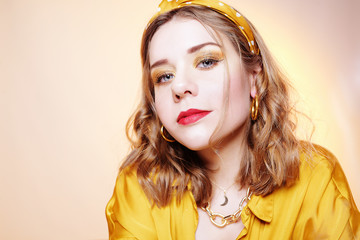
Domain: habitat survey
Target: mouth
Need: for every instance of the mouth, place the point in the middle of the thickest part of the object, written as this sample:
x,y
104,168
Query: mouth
x,y
191,116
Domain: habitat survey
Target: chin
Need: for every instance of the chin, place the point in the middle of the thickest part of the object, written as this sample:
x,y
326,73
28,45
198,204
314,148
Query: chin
x,y
195,144
196,138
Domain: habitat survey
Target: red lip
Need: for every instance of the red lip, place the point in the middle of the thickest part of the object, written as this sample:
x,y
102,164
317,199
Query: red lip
x,y
191,116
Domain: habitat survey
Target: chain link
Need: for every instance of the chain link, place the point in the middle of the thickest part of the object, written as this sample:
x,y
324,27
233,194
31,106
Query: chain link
x,y
226,220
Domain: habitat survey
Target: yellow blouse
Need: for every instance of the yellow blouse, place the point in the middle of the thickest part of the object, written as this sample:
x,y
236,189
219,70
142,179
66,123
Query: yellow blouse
x,y
318,206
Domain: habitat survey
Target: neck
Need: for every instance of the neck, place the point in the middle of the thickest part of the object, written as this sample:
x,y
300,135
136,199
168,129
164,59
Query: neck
x,y
224,159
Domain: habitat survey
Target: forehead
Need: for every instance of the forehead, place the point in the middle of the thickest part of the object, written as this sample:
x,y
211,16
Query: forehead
x,y
179,34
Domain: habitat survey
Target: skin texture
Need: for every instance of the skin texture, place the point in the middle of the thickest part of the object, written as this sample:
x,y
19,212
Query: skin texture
x,y
191,71
201,86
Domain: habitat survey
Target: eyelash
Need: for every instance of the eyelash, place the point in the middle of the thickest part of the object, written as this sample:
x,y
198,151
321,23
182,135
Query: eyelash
x,y
162,76
213,61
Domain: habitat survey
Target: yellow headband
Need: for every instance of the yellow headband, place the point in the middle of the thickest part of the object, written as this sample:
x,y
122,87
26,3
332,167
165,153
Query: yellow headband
x,y
218,6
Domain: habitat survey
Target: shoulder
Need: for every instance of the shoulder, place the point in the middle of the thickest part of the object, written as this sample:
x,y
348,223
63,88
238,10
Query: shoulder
x,y
128,189
314,154
319,171
319,205
326,199
127,177
319,166
128,212
314,158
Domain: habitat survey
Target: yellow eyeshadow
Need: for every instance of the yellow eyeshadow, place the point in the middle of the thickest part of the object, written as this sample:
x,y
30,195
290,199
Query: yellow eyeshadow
x,y
216,55
159,72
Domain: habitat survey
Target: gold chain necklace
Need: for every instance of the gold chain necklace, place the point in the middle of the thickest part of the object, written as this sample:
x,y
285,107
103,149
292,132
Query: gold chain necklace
x,y
226,200
226,220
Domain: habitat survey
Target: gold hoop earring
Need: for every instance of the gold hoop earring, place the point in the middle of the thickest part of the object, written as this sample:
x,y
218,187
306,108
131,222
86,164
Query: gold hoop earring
x,y
163,135
254,108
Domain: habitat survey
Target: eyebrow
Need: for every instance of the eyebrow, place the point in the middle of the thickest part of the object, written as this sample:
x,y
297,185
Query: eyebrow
x,y
190,50
198,47
160,62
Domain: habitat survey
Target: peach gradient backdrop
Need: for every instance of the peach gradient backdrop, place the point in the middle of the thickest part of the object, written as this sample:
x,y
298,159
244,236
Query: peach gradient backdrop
x,y
69,79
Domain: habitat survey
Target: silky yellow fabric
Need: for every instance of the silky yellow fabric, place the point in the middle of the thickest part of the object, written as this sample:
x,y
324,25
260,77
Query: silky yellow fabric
x,y
318,206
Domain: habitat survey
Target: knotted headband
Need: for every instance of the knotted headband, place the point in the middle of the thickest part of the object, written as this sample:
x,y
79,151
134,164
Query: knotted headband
x,y
218,6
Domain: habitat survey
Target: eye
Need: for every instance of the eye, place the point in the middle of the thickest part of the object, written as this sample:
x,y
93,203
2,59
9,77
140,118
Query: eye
x,y
208,63
164,78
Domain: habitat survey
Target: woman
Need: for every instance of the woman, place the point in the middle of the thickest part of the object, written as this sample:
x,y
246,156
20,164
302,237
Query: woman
x,y
214,154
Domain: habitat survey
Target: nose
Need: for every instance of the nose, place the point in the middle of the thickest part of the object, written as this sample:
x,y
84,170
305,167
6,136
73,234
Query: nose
x,y
182,86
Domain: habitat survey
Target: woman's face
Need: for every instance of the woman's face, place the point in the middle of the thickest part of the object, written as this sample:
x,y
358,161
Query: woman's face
x,y
190,75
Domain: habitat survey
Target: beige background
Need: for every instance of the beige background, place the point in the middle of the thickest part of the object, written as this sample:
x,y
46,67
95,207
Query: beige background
x,y
69,79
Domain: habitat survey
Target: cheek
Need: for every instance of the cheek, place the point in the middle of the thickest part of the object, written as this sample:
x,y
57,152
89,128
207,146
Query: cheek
x,y
239,94
158,104
239,90
161,104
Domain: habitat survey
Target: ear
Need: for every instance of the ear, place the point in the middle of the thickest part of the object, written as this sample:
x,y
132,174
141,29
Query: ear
x,y
253,76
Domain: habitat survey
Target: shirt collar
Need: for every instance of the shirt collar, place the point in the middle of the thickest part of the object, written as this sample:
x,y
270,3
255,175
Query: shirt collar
x,y
262,207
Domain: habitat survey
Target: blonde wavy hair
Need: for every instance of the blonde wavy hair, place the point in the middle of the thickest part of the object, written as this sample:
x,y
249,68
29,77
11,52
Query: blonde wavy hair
x,y
271,155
